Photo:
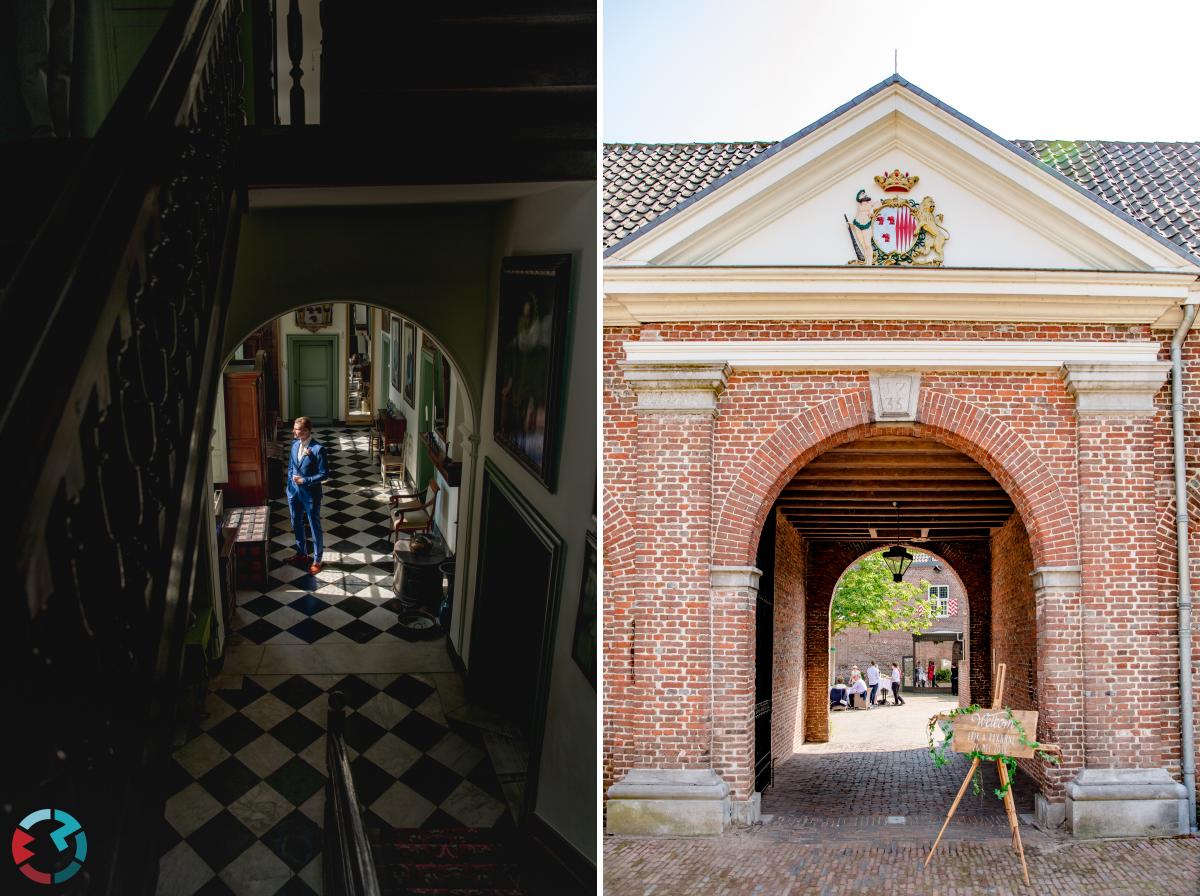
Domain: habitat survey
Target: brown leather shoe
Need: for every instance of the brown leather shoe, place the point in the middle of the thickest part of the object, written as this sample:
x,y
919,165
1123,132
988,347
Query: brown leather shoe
x,y
298,560
315,568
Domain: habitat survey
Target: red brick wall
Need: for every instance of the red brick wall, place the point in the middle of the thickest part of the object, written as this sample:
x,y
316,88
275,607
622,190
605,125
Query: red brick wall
x,y
1122,606
621,698
1095,493
1014,626
857,647
787,707
673,660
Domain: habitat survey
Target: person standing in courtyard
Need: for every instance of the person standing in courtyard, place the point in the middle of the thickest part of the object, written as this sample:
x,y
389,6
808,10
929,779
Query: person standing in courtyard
x,y
929,672
896,685
307,469
873,680
921,679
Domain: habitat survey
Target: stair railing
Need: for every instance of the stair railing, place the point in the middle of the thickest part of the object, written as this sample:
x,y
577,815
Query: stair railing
x,y
109,381
349,867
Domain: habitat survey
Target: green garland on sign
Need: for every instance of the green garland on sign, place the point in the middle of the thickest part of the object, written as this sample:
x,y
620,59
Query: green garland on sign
x,y
938,751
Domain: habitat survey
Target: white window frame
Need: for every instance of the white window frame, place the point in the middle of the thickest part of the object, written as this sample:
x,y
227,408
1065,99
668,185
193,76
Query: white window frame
x,y
941,594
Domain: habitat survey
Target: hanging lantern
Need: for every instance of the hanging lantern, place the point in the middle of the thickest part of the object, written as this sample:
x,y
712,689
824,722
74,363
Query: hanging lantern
x,y
896,557
898,561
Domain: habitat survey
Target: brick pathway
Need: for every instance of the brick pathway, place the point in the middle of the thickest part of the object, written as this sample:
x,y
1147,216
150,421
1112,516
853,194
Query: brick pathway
x,y
755,862
858,815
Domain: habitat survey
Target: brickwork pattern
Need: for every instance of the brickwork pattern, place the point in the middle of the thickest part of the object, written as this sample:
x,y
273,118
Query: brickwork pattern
x,y
1014,615
1118,528
767,860
673,660
1095,493
788,673
622,699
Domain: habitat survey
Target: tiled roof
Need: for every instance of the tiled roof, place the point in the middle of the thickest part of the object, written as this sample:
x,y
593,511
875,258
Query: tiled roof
x,y
1158,184
641,181
1155,183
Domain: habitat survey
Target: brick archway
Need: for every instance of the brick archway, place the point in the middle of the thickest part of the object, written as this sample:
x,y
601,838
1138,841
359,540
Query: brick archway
x,y
985,438
1043,516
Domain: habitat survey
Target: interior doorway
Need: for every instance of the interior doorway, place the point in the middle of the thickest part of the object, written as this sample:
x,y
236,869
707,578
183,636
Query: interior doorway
x,y
312,361
360,364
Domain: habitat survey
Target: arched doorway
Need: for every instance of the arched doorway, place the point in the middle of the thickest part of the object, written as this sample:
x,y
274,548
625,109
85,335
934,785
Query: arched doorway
x,y
846,503
853,497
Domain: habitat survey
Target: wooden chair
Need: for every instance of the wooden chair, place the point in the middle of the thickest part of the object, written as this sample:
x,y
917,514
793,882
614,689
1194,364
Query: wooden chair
x,y
415,515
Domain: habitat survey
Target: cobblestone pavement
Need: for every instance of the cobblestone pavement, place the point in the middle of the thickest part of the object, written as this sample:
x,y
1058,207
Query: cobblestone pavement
x,y
858,815
876,769
756,862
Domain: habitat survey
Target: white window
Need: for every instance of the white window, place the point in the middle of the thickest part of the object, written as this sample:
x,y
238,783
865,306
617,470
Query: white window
x,y
941,594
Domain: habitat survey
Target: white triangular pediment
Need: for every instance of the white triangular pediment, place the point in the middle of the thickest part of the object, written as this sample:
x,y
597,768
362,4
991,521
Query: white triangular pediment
x,y
1000,209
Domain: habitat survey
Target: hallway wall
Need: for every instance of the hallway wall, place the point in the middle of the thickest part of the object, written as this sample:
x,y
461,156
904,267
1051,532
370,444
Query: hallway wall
x,y
558,220
429,263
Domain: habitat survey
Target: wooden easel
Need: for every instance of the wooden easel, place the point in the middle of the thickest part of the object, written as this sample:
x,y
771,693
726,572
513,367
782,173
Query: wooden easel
x,y
1009,805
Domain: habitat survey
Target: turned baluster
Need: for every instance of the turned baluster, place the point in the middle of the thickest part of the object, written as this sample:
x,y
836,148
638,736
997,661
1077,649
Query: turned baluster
x,y
295,31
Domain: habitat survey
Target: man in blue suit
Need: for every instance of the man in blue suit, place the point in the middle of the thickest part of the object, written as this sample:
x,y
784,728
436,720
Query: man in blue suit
x,y
306,471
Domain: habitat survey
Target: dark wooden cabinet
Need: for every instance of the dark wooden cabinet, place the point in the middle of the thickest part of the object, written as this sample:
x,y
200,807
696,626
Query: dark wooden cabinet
x,y
246,429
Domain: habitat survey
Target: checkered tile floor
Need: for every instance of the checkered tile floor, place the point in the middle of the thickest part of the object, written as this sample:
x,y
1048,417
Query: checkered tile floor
x,y
245,796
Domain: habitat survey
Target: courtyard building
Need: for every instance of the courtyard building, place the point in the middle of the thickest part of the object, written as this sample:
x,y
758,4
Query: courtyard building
x,y
896,327
940,641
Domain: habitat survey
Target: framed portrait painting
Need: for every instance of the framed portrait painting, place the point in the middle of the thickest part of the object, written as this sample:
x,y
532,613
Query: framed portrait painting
x,y
408,359
314,317
534,302
394,328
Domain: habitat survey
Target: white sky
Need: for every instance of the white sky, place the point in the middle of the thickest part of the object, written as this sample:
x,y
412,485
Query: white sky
x,y
724,70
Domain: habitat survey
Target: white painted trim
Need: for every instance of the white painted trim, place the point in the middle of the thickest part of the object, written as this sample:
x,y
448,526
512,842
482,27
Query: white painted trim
x,y
636,294
869,354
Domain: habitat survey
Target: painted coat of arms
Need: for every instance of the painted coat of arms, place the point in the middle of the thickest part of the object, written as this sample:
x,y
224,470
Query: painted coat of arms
x,y
897,230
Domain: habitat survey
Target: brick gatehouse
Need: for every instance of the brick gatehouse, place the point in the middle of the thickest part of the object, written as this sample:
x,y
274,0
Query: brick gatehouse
x,y
995,359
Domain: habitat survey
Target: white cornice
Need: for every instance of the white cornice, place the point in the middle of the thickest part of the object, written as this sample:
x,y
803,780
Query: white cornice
x,y
635,295
871,354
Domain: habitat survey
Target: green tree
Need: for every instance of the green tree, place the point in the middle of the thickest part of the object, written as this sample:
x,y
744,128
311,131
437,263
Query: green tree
x,y
867,598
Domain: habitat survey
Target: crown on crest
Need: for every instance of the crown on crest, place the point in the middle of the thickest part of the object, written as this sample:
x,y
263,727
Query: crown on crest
x,y
896,182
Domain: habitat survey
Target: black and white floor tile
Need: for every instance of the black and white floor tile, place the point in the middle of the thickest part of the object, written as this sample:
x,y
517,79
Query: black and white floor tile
x,y
245,796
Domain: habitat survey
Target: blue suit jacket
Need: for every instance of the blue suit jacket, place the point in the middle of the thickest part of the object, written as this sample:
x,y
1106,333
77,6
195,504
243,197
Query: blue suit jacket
x,y
311,469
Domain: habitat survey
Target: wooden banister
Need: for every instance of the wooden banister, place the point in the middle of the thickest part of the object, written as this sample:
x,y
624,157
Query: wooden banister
x,y
107,413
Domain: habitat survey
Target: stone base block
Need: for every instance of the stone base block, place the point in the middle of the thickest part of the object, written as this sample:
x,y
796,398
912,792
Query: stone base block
x,y
669,803
746,812
1128,802
1047,814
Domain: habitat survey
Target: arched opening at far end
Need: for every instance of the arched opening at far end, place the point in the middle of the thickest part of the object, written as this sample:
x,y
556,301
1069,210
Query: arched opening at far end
x,y
972,565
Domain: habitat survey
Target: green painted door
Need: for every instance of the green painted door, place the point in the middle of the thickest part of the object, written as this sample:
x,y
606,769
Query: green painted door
x,y
312,361
425,416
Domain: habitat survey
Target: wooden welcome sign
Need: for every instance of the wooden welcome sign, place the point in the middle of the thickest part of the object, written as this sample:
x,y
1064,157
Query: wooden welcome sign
x,y
994,733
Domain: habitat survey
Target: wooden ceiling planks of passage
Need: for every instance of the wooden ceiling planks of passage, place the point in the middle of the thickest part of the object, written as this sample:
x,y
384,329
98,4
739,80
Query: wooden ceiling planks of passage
x,y
847,494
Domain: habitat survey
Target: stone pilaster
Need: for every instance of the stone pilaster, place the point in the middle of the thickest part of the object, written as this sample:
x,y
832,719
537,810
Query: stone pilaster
x,y
673,790
734,594
1059,665
1115,794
